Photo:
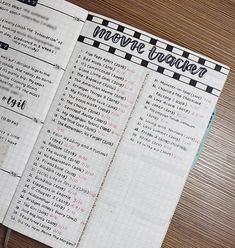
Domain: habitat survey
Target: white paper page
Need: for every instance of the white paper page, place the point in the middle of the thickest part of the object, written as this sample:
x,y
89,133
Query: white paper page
x,y
67,167
35,46
75,147
154,157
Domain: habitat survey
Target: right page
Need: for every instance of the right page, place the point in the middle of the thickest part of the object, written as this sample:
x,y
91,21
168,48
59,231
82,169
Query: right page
x,y
154,157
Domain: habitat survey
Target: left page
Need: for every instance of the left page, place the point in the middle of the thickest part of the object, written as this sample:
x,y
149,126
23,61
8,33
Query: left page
x,y
37,39
75,147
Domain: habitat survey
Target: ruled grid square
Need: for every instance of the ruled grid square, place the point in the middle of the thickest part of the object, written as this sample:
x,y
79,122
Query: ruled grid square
x,y
120,211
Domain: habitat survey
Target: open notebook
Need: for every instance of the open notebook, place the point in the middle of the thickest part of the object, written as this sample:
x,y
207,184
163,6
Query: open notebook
x,y
99,125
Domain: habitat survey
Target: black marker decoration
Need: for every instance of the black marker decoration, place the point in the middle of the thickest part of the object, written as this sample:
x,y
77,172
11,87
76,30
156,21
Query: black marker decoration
x,y
29,2
201,61
112,50
193,82
209,89
153,41
81,38
4,46
218,67
144,63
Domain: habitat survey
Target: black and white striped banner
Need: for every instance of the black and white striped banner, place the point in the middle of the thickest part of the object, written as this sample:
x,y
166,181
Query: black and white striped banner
x,y
158,43
149,65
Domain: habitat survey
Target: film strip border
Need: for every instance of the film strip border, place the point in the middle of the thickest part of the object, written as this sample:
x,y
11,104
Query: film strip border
x,y
158,43
149,65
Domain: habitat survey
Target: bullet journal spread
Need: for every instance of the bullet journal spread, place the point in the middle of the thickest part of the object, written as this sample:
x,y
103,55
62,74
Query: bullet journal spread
x,y
100,124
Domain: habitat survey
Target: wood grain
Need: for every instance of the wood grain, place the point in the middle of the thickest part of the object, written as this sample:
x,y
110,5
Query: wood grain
x,y
205,215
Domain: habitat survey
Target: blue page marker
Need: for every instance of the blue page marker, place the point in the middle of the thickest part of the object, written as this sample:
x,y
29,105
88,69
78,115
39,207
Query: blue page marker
x,y
204,138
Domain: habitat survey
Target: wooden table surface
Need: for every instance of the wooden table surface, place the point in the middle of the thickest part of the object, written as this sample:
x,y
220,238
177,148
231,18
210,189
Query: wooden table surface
x,y
205,216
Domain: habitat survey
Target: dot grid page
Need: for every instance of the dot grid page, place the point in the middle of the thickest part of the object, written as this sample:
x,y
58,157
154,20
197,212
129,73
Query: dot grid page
x,y
150,167
34,55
